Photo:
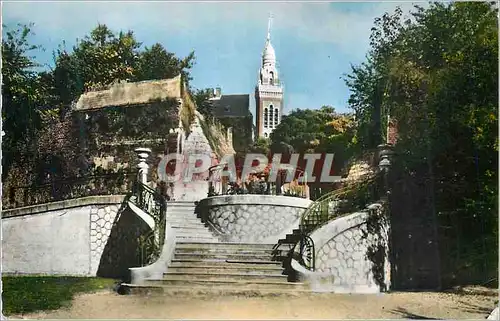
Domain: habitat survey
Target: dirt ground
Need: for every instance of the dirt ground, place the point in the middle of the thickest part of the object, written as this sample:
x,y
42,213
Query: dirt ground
x,y
472,303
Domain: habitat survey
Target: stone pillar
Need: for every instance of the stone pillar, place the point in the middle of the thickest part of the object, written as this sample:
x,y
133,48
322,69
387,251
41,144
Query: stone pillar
x,y
230,135
306,187
142,166
385,154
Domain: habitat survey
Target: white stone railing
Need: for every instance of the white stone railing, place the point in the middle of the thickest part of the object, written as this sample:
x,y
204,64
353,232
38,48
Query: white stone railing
x,y
252,218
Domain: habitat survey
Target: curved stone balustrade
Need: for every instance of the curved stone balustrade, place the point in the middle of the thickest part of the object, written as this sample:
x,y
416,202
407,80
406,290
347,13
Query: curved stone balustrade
x,y
252,218
350,258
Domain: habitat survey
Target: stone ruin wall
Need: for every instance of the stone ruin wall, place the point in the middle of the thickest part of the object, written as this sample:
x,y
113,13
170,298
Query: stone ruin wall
x,y
104,148
112,150
125,94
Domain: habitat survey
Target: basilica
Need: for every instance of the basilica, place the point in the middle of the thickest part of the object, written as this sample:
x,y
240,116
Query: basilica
x,y
229,109
268,93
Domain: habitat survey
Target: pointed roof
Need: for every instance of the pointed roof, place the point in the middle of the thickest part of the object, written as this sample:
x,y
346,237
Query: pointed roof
x,y
268,56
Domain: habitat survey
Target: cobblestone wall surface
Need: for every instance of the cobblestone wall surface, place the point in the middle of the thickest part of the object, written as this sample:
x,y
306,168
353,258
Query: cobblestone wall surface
x,y
74,237
344,256
353,254
101,222
252,218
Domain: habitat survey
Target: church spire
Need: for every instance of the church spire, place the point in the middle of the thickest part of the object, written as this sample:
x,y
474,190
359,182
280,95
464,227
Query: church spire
x,y
269,27
268,56
269,91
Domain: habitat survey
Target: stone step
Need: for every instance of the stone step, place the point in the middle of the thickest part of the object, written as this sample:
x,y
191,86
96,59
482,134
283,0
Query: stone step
x,y
291,238
212,239
181,211
180,203
189,226
224,245
222,256
222,262
260,284
201,237
288,240
183,217
177,212
184,237
192,233
214,276
230,268
203,290
223,250
184,220
178,216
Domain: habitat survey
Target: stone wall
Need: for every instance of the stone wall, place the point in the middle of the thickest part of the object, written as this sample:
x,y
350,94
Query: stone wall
x,y
351,254
123,94
109,136
252,218
101,221
219,138
196,188
67,237
113,122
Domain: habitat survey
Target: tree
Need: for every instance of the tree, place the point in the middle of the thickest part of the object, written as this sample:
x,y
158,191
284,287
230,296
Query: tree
x,y
203,104
436,75
312,130
21,94
301,128
39,129
260,146
322,131
104,57
158,63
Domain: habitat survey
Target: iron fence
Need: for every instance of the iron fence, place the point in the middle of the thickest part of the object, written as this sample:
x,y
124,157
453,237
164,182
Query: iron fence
x,y
154,205
255,184
75,187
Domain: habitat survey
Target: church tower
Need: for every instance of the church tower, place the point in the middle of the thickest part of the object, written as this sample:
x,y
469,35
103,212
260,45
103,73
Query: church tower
x,y
268,92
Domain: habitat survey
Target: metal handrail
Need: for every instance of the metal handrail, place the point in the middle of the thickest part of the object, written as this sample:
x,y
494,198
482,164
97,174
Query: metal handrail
x,y
321,211
154,205
69,188
221,186
306,255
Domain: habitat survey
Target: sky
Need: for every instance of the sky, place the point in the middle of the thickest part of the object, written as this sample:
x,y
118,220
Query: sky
x,y
315,42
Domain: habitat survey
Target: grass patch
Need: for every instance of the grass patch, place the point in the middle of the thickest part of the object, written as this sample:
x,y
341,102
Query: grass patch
x,y
24,294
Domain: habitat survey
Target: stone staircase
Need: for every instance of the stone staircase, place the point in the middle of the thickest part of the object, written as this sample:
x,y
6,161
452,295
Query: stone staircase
x,y
203,265
188,228
223,269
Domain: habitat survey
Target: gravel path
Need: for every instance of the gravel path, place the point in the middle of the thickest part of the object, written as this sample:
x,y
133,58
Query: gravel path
x,y
471,304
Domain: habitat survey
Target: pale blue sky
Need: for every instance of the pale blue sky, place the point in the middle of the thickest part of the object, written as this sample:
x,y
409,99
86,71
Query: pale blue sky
x,y
315,43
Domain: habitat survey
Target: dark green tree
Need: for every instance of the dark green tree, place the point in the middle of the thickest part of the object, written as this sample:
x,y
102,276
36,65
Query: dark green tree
x,y
157,63
436,74
22,92
203,105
